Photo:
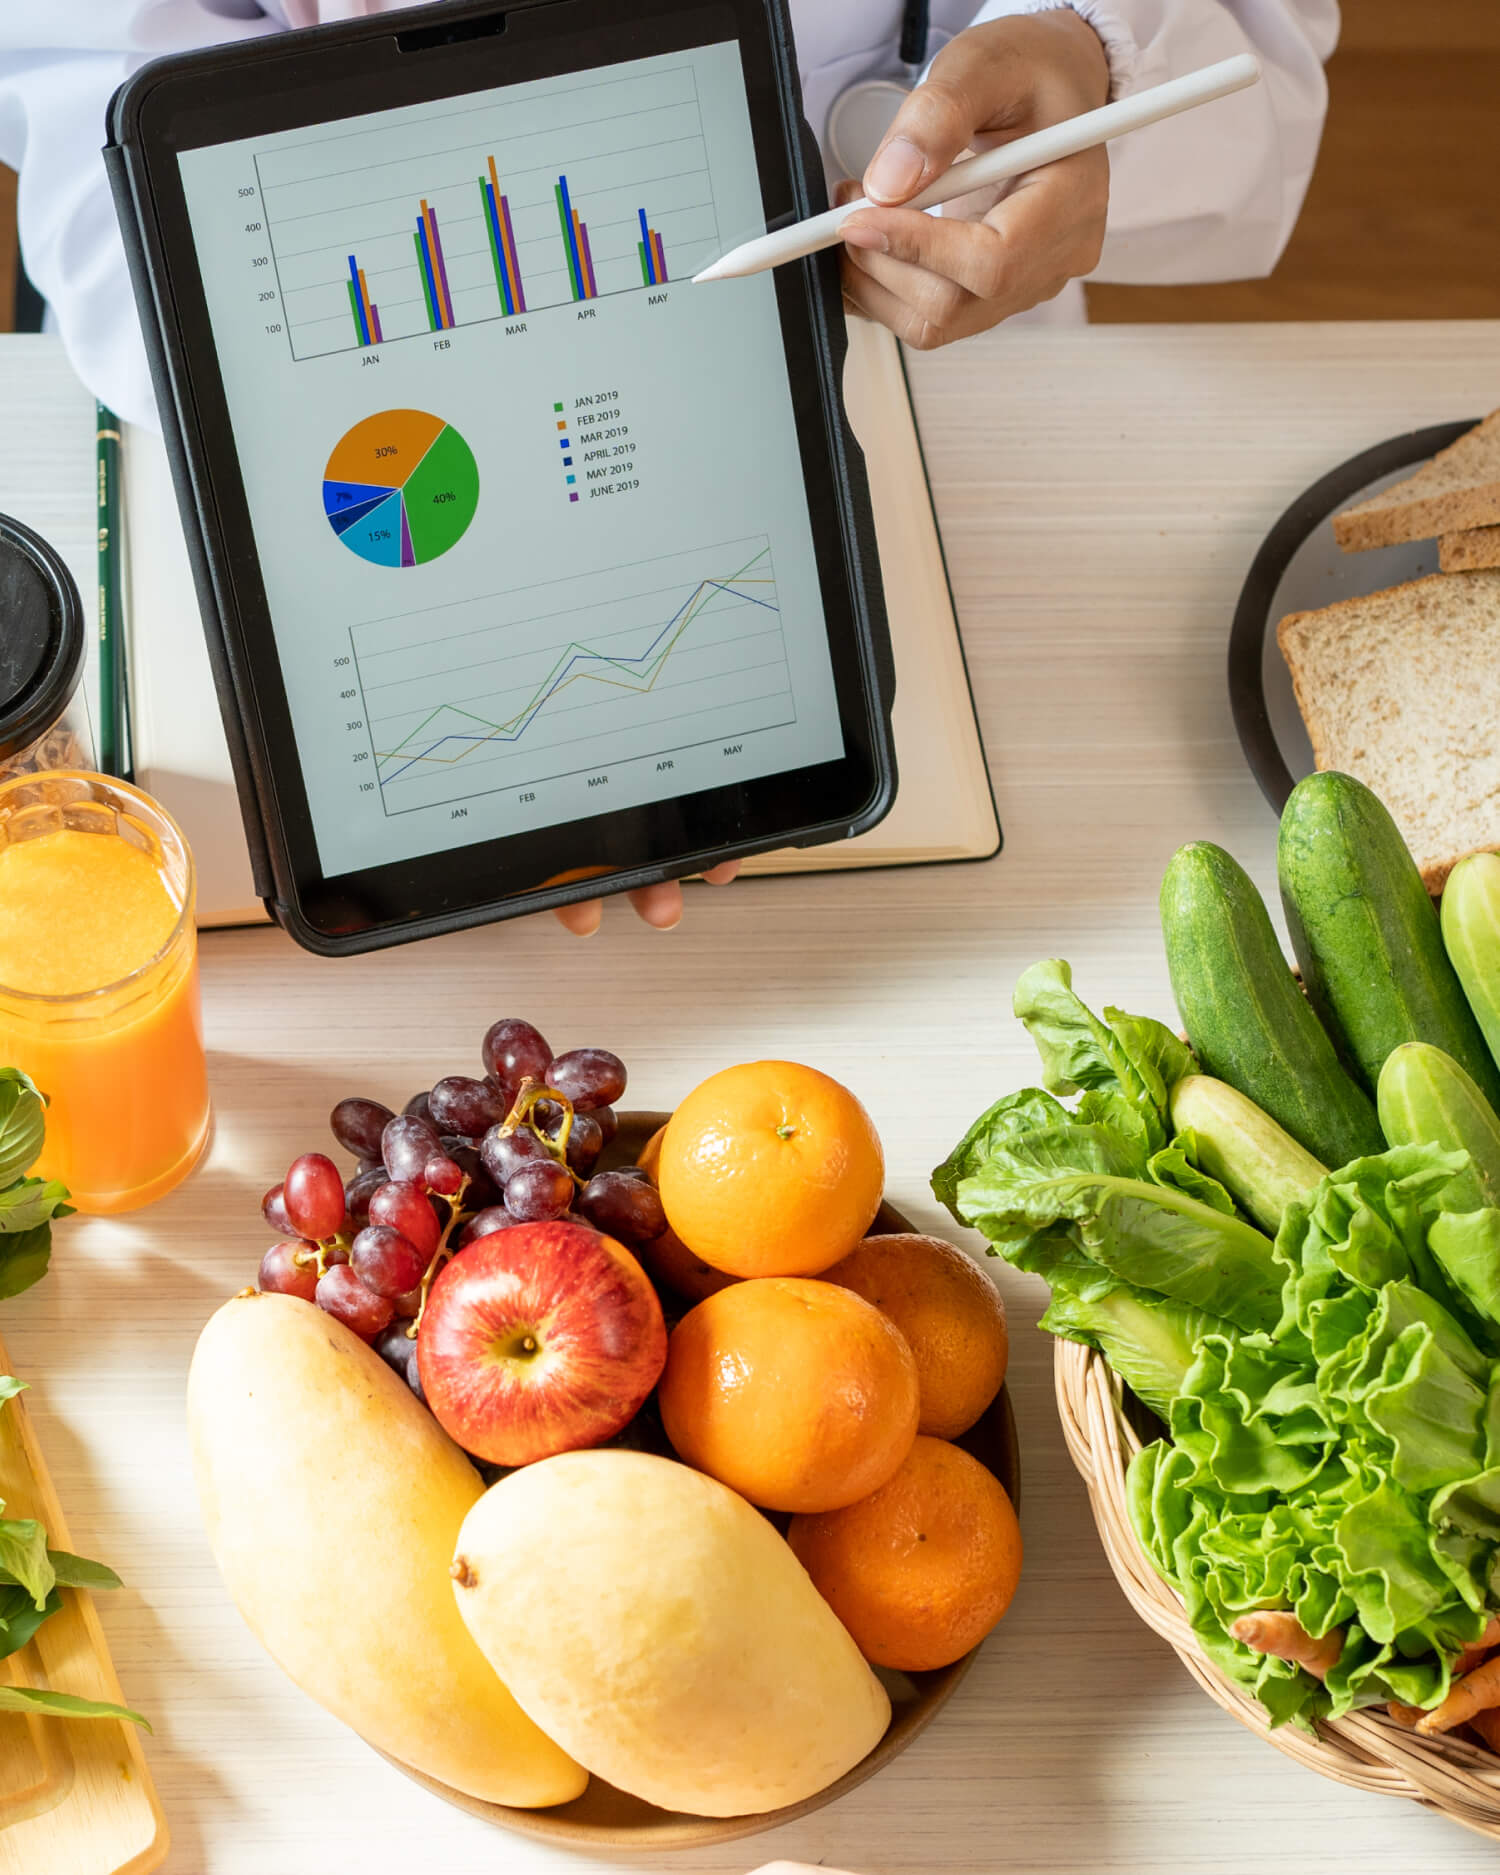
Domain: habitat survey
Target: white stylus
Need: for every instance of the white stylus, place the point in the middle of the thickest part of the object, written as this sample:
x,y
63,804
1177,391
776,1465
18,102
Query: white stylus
x,y
999,165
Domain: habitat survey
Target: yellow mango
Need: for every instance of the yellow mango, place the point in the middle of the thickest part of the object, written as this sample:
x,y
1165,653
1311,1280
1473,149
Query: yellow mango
x,y
333,1500
661,1630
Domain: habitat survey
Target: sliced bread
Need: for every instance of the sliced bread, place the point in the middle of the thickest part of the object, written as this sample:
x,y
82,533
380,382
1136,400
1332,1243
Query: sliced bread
x,y
1459,488
1402,689
1474,547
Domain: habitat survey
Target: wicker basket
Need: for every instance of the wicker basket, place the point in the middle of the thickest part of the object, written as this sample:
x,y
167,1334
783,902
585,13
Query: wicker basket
x,y
1367,1750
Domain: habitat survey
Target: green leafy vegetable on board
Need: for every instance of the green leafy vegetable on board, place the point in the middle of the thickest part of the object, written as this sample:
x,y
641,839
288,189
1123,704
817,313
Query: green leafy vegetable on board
x,y
27,1205
31,1574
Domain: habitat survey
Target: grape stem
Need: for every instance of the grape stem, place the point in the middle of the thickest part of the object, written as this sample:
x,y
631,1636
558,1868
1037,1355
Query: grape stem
x,y
528,1097
456,1216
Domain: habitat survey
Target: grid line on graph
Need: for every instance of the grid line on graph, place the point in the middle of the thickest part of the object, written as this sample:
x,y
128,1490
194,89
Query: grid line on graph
x,y
538,214
647,664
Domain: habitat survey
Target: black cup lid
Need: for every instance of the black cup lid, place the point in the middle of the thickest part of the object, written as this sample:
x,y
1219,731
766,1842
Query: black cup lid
x,y
41,636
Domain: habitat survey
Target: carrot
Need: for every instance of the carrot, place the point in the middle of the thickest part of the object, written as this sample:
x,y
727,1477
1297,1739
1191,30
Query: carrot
x,y
1487,1725
1278,1631
1403,1715
1469,1658
1475,1692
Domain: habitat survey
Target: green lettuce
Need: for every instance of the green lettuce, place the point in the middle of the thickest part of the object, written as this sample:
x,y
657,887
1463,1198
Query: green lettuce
x,y
1107,1171
1332,1399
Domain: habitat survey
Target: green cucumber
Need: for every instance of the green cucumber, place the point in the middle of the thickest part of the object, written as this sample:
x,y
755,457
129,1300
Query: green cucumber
x,y
1258,1162
1471,935
1367,935
1426,1099
1247,1020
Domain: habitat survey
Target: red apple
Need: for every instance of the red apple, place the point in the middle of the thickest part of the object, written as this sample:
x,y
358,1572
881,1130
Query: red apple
x,y
539,1339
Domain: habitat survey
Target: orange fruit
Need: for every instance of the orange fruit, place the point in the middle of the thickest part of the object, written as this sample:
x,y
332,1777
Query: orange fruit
x,y
923,1568
770,1169
951,1314
650,1157
796,1394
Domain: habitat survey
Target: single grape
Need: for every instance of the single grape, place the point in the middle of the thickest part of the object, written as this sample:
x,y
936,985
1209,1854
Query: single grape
x,y
313,1194
492,1217
334,1253
407,1144
417,1108
405,1207
397,1348
357,1195
357,1125
623,1207
482,1189
349,1301
460,1104
585,1143
443,1176
547,1118
513,1051
387,1262
609,1122
375,1164
282,1275
273,1210
590,1077
537,1192
504,1154
408,1305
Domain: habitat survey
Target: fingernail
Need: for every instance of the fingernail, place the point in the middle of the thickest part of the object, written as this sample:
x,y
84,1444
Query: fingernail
x,y
896,171
864,234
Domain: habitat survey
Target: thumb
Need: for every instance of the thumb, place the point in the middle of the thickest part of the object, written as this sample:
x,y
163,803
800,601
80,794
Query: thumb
x,y
968,90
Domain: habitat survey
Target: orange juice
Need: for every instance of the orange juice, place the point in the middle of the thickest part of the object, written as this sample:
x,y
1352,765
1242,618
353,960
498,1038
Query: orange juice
x,y
99,984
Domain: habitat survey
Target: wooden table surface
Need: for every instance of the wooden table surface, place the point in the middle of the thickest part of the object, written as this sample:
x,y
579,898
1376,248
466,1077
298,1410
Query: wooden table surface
x,y
1101,494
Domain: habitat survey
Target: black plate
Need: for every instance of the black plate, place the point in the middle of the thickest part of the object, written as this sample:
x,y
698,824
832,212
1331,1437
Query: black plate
x,y
1301,566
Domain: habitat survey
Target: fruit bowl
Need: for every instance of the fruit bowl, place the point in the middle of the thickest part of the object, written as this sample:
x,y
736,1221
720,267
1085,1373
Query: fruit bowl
x,y
605,1819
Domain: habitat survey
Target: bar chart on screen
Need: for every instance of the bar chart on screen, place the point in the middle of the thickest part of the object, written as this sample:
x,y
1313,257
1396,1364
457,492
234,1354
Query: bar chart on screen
x,y
501,205
574,675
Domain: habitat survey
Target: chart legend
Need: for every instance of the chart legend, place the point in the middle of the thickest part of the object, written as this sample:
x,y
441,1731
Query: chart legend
x,y
401,488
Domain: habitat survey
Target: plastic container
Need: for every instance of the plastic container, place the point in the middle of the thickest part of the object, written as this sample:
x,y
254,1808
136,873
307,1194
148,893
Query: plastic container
x,y
122,1062
42,641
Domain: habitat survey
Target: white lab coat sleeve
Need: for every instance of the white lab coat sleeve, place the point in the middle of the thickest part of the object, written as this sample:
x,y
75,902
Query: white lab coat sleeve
x,y
1215,193
52,108
59,66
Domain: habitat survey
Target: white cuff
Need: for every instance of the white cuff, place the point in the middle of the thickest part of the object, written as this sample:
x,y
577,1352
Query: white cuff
x,y
1120,48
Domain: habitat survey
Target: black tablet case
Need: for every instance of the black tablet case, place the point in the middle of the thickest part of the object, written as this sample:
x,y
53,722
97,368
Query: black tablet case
x,y
212,576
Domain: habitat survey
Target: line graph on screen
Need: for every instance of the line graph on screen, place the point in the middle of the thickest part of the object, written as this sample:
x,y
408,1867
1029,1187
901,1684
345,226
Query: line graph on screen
x,y
567,676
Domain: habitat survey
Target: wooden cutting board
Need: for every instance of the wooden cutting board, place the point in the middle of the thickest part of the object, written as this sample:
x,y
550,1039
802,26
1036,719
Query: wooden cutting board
x,y
76,1797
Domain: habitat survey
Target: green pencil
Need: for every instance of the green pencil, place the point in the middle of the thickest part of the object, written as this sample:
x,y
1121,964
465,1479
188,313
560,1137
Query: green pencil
x,y
114,700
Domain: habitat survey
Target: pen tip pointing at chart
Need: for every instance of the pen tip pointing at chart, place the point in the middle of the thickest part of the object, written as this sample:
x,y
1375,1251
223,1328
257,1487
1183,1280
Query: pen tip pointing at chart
x,y
716,270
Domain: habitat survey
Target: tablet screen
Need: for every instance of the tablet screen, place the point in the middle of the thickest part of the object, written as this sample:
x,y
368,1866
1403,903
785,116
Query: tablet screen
x,y
529,507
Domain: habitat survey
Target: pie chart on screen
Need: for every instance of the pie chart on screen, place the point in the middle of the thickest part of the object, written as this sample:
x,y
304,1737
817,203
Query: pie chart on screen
x,y
401,488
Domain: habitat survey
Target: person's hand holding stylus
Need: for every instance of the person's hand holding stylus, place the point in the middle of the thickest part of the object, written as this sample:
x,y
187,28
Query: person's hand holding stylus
x,y
936,278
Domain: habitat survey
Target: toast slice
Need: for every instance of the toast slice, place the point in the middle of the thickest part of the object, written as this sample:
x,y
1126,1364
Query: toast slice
x,y
1402,690
1465,552
1458,489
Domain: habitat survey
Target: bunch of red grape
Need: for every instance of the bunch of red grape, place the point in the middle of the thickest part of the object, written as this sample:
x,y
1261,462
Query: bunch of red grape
x,y
463,1159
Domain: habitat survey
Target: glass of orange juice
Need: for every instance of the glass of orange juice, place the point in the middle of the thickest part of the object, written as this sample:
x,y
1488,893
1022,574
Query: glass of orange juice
x,y
99,984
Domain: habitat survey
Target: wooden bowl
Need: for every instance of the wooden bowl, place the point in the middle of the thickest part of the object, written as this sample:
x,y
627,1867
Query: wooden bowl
x,y
607,1820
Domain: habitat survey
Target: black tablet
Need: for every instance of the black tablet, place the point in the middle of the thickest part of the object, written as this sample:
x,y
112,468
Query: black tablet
x,y
528,568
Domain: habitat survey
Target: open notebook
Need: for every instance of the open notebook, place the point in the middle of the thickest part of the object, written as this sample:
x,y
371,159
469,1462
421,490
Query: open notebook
x,y
944,809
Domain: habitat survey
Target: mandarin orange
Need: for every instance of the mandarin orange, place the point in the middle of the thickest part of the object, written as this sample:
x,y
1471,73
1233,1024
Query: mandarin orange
x,y
951,1314
797,1394
923,1568
770,1169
